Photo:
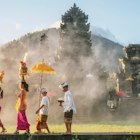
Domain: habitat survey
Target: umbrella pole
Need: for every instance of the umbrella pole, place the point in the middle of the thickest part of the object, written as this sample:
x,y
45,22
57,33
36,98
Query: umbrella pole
x,y
41,79
22,79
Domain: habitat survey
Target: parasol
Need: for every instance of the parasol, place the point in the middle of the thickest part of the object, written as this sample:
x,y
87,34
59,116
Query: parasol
x,y
50,94
130,79
121,93
41,68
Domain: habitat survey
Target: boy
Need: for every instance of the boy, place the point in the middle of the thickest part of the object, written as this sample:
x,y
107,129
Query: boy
x,y
43,112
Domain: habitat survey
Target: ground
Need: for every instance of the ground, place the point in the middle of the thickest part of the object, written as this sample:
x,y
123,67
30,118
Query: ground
x,y
90,128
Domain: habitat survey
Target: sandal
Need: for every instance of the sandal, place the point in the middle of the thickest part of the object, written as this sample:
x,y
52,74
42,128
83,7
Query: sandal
x,y
16,132
27,132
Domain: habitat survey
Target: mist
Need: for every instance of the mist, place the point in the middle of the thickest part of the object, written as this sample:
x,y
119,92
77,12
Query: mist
x,y
89,91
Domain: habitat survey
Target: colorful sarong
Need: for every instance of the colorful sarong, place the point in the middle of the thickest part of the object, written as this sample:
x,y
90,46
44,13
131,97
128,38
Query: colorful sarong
x,y
0,120
41,122
22,122
17,104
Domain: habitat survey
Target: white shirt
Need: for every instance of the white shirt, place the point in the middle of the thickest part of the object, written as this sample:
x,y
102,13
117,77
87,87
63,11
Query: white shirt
x,y
69,102
44,109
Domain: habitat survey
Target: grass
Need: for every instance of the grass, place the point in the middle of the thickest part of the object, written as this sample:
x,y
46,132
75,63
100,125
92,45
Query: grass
x,y
60,128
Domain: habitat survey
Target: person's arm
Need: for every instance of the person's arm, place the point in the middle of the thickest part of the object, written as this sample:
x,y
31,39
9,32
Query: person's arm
x,y
39,109
1,94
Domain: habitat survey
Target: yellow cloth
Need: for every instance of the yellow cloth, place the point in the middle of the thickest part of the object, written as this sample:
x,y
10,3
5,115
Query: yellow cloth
x,y
41,122
17,104
21,102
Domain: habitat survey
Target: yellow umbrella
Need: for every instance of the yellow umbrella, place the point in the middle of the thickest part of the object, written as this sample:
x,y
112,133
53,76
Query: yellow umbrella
x,y
42,67
130,79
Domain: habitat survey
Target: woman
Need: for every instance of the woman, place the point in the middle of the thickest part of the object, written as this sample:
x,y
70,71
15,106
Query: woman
x,y
1,124
22,122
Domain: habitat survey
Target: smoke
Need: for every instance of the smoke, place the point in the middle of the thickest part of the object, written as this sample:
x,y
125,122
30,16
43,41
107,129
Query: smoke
x,y
73,66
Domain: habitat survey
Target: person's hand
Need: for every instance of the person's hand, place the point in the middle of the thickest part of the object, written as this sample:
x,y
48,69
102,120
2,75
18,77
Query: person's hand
x,y
37,112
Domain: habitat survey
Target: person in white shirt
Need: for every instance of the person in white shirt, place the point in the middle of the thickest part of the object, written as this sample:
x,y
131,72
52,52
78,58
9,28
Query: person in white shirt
x,y
69,107
43,112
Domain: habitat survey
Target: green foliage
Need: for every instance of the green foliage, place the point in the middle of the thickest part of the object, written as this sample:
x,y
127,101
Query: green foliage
x,y
75,138
133,138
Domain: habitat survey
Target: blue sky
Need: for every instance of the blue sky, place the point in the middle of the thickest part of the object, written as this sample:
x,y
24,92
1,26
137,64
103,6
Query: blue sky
x,y
120,17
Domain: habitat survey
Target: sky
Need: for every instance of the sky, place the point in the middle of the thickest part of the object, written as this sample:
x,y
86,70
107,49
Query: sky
x,y
120,17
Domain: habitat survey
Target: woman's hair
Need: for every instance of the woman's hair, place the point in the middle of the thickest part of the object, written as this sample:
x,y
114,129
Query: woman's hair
x,y
26,86
1,92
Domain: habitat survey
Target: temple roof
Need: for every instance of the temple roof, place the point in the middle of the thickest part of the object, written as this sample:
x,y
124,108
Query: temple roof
x,y
74,14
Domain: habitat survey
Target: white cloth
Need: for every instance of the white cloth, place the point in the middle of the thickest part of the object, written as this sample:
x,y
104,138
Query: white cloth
x,y
45,102
63,85
69,102
43,90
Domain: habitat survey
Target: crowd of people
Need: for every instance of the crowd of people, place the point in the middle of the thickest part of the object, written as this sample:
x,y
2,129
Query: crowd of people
x,y
43,111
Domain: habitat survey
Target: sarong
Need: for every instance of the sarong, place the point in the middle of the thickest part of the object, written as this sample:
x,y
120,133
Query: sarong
x,y
68,114
1,124
22,122
41,122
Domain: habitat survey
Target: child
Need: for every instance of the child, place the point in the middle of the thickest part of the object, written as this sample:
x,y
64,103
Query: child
x,y
43,112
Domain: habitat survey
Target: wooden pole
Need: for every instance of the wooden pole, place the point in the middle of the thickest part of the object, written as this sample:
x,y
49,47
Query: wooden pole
x,y
41,81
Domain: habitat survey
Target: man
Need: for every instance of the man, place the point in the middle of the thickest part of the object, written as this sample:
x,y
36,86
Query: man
x,y
1,124
69,107
43,112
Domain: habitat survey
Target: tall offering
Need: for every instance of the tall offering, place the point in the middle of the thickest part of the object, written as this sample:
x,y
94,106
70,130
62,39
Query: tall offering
x,y
23,70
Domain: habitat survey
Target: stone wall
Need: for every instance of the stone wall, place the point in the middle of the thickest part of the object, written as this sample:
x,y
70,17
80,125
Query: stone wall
x,y
87,136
